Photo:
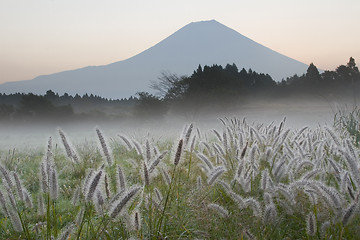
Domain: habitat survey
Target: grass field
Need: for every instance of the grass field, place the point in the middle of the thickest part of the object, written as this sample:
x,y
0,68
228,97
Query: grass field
x,y
241,181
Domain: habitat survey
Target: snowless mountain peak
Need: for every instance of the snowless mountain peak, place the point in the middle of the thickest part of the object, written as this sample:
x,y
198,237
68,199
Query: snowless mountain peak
x,y
204,43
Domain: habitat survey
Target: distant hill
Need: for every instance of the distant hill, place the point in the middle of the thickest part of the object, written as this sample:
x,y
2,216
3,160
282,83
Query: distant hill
x,y
205,43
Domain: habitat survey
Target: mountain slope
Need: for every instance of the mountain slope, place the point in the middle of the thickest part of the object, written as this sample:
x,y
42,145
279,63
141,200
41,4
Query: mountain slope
x,y
205,43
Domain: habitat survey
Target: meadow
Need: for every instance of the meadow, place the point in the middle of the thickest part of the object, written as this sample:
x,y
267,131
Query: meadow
x,y
241,180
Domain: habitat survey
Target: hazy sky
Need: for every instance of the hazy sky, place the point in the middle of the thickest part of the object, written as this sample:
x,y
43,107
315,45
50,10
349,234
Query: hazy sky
x,y
45,36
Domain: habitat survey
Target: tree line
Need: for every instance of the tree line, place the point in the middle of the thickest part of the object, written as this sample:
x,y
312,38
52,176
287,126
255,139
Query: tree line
x,y
214,86
221,86
20,106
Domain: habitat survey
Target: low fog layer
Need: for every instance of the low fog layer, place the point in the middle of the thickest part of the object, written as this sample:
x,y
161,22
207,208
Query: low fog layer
x,y
298,114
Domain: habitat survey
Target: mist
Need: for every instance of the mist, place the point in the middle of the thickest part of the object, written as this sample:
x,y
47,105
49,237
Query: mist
x,y
34,134
209,94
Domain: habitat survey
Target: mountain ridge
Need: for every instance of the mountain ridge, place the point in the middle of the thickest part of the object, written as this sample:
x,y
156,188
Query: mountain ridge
x,y
204,42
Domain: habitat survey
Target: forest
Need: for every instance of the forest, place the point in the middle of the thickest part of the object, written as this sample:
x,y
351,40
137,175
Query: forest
x,y
214,87
216,83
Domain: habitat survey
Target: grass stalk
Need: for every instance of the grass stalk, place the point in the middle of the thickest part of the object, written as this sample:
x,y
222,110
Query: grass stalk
x,y
159,225
24,226
48,216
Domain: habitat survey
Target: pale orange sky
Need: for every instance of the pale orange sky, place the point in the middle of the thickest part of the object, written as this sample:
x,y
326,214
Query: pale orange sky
x,y
47,36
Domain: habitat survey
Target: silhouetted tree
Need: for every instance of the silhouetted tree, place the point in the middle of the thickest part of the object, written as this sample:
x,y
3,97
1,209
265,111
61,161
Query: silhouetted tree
x,y
50,95
169,86
352,65
351,73
149,105
312,74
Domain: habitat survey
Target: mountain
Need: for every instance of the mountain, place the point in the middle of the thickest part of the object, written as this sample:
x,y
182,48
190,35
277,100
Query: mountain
x,y
205,43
